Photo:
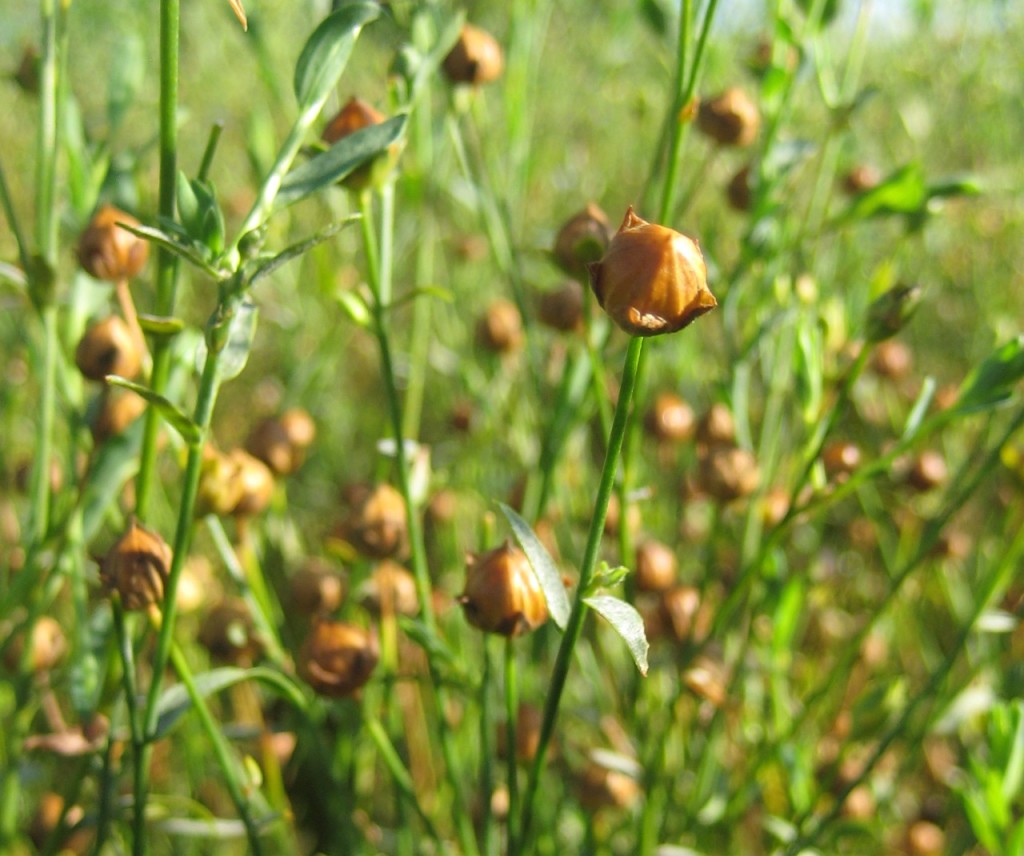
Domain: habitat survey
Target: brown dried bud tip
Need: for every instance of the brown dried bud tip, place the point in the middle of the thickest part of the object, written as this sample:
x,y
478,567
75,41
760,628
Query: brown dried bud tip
x,y
500,328
137,567
108,348
377,527
652,280
229,634
670,419
476,57
107,251
562,308
655,566
338,658
354,116
730,119
281,442
582,240
502,593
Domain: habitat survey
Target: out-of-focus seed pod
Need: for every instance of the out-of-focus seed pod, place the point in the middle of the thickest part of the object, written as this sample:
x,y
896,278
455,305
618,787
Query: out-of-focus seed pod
x,y
924,838
107,251
338,658
582,240
219,489
44,822
46,647
860,804
137,566
656,566
500,328
860,178
603,787
118,408
377,527
354,116
706,678
476,58
952,544
229,634
774,506
196,585
613,517
670,419
502,594
527,737
281,442
256,484
716,427
892,359
685,614
892,311
840,458
442,507
652,280
390,590
316,588
108,348
729,473
730,119
738,190
928,471
462,416
561,308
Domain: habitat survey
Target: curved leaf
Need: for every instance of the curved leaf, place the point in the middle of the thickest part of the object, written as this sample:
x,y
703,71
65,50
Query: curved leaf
x,y
627,623
188,429
543,565
327,51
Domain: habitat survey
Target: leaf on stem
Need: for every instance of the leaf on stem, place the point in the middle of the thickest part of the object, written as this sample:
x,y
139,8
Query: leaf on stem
x,y
268,266
991,383
626,621
543,565
327,51
181,423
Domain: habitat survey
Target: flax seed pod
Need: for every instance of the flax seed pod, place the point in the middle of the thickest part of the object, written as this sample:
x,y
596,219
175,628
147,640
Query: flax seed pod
x,y
500,328
670,419
354,116
377,527
281,442
108,348
390,590
730,119
561,308
118,408
502,594
47,646
582,240
137,566
229,634
729,473
656,566
316,588
475,59
338,658
109,252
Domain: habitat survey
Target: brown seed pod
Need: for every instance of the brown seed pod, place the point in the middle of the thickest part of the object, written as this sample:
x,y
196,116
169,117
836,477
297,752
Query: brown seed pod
x,y
860,178
118,408
561,308
892,359
48,812
652,280
840,459
256,484
500,328
729,473
684,615
390,590
136,567
220,490
738,190
46,648
354,116
716,427
730,119
502,593
656,566
377,527
928,471
924,838
108,348
603,786
229,634
107,251
476,58
281,442
582,240
707,679
316,588
670,419
338,658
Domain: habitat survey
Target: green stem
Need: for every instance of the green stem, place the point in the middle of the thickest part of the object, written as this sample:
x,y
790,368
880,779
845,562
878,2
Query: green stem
x,y
511,735
487,751
574,626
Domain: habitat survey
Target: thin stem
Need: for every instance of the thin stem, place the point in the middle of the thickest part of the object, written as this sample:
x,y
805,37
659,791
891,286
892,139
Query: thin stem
x,y
487,751
511,735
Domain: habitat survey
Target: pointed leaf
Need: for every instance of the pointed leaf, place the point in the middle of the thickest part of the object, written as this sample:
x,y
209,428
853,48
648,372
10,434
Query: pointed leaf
x,y
991,382
327,51
173,244
627,623
188,429
903,192
175,702
296,250
543,565
345,156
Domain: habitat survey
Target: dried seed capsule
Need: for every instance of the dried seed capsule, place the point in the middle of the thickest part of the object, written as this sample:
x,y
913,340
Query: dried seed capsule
x,y
108,348
738,190
476,57
502,593
862,177
728,474
892,359
716,426
500,328
924,838
730,119
390,590
281,442
354,116
107,251
316,588
670,419
255,484
338,658
137,567
656,566
928,471
229,634
562,308
652,280
118,409
46,646
377,527
582,240
840,459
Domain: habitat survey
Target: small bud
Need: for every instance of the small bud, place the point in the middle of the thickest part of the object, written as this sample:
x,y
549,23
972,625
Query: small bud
x,y
229,634
562,308
730,119
377,527
582,240
46,648
500,328
108,348
862,177
107,251
281,442
652,280
338,658
729,473
670,419
476,58
354,116
890,313
137,567
502,593
316,588
656,566
118,409
390,590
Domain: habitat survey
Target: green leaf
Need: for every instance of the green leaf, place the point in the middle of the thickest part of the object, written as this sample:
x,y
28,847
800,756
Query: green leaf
x,y
341,159
327,52
991,382
241,331
268,266
174,244
543,565
966,185
920,409
354,307
174,702
627,623
607,577
181,423
903,192
157,325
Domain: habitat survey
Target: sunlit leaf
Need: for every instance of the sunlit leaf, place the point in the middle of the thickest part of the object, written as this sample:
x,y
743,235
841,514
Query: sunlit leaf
x,y
181,423
327,52
548,575
268,266
627,623
991,382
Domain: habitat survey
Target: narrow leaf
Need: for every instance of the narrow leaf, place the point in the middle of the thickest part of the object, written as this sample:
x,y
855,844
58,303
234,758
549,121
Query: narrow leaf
x,y
903,192
173,244
327,51
296,250
920,409
543,565
181,423
627,623
158,325
241,333
991,382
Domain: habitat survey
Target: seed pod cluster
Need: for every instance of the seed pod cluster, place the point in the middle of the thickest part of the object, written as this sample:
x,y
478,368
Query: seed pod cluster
x,y
476,58
652,279
730,118
109,252
502,594
338,658
137,566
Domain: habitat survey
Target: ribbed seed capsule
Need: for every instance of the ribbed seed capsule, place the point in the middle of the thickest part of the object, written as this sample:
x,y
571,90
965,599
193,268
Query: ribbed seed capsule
x,y
108,348
582,240
730,119
377,527
670,419
281,442
652,280
502,593
390,590
338,658
476,57
500,328
137,567
108,251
